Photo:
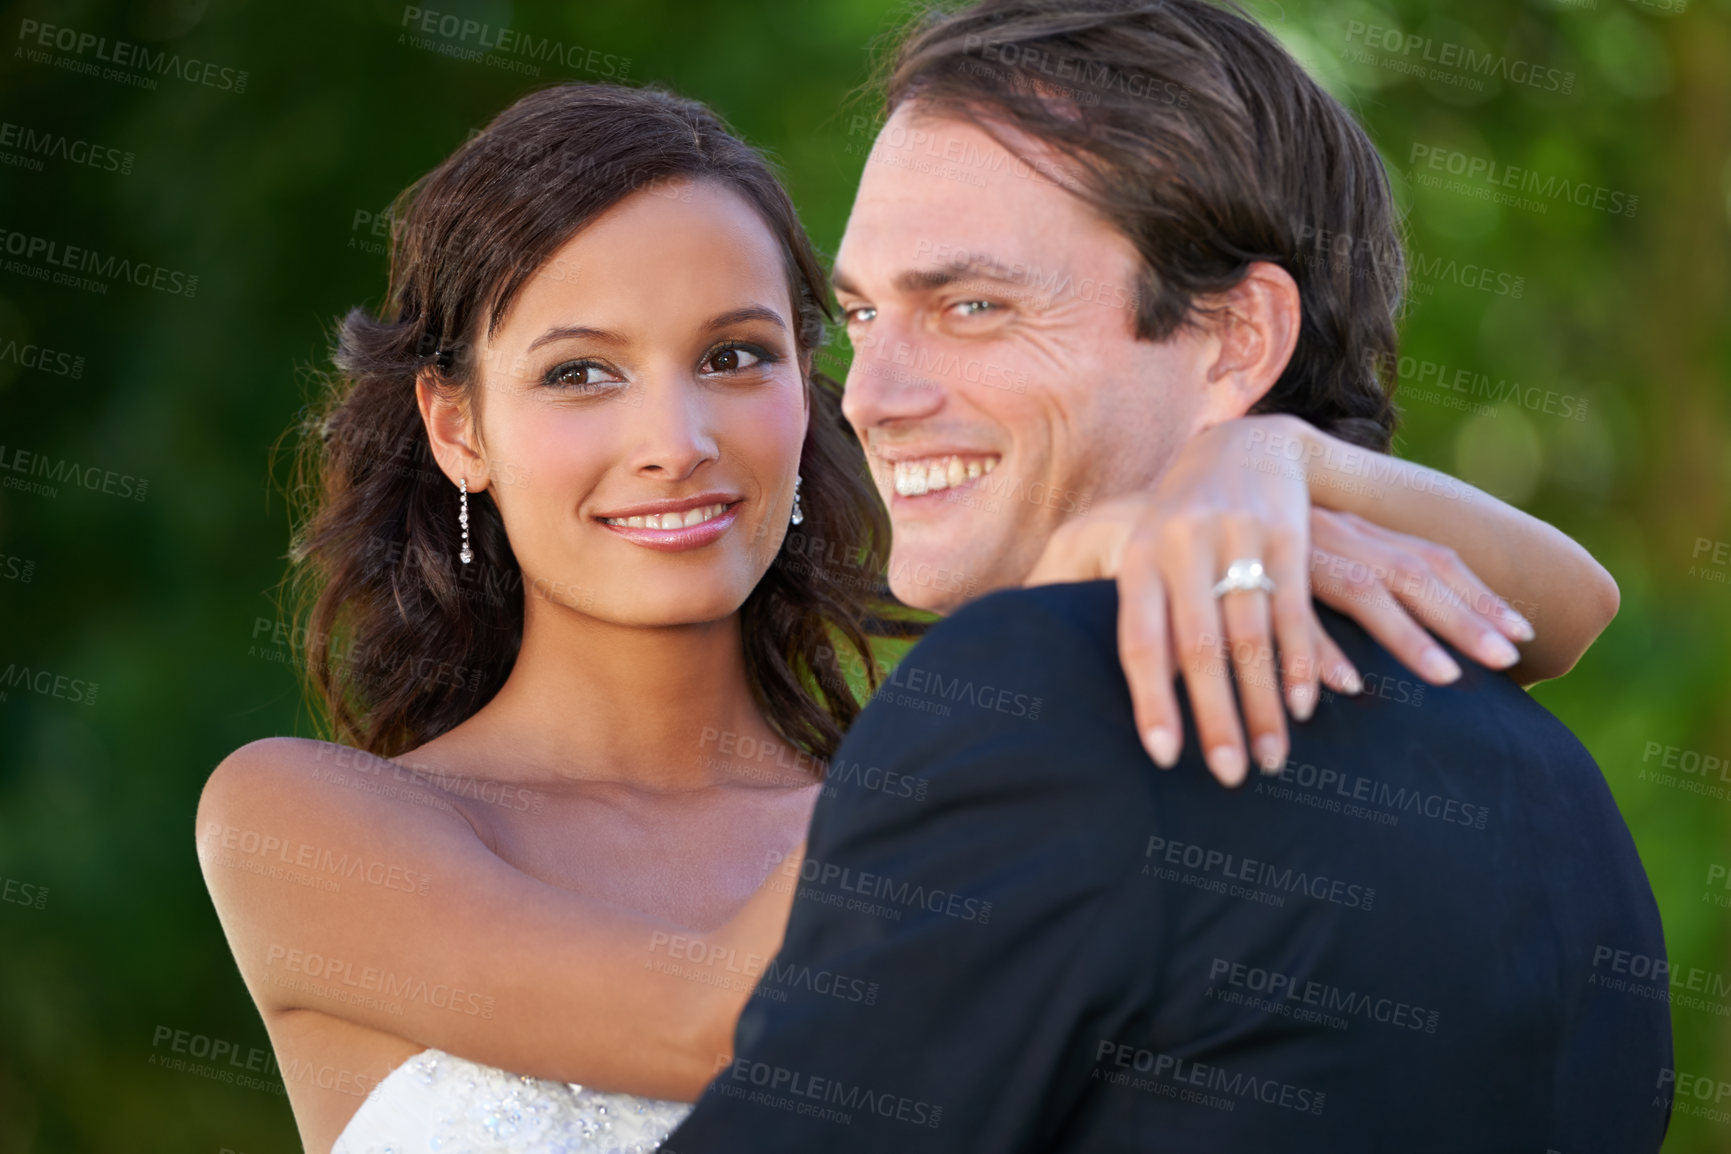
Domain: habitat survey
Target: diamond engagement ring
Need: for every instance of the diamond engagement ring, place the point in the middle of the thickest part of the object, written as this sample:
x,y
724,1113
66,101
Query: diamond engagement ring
x,y
1244,576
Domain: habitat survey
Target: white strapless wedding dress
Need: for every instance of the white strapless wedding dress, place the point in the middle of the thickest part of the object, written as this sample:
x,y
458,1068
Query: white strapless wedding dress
x,y
439,1104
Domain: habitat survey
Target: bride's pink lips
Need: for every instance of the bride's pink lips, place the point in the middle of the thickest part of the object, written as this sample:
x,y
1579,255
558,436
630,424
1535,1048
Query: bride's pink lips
x,y
679,540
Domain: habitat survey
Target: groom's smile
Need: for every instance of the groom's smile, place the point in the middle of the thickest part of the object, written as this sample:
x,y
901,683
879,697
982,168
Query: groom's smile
x,y
997,384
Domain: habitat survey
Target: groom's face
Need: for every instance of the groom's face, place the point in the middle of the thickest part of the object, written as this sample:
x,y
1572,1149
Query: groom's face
x,y
997,384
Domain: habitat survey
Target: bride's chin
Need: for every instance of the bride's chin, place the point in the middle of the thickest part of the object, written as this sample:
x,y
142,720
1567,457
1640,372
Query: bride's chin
x,y
673,609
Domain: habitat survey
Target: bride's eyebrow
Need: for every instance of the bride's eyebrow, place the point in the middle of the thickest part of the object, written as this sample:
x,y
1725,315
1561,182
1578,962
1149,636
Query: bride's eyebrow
x,y
749,313
567,332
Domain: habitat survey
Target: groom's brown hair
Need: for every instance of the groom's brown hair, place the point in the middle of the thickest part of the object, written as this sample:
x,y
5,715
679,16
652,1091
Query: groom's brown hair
x,y
1196,135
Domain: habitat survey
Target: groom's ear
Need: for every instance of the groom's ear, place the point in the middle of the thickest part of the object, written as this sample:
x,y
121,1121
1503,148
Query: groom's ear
x,y
1252,329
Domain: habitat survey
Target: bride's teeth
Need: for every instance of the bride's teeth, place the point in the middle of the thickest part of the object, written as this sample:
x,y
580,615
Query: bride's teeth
x,y
936,478
973,470
991,463
670,520
956,473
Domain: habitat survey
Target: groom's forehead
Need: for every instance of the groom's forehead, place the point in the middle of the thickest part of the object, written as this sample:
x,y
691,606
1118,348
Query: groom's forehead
x,y
943,199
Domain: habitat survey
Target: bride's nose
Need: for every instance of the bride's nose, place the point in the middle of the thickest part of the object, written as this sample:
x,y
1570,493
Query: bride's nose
x,y
673,429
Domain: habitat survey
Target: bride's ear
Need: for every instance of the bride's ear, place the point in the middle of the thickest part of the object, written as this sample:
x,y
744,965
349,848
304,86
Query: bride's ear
x,y
452,431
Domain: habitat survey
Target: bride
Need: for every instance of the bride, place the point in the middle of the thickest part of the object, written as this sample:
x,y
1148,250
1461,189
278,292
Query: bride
x,y
586,688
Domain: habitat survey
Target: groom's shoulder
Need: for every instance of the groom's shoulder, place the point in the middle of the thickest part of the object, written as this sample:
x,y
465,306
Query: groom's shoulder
x,y
1021,669
1013,714
1069,627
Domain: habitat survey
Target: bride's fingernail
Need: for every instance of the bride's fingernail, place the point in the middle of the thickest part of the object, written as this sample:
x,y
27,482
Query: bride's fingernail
x,y
1523,627
1349,680
1302,701
1439,667
1162,746
1268,754
1227,763
1501,651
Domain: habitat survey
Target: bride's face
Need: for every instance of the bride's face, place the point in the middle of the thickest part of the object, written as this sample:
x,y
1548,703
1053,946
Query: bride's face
x,y
641,410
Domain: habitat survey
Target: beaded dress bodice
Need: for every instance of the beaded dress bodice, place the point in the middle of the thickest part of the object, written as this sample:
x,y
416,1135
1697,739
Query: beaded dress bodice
x,y
435,1102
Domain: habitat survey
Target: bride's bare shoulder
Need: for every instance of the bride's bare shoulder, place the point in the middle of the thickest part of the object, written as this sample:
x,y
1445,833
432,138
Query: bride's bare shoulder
x,y
278,785
272,764
271,755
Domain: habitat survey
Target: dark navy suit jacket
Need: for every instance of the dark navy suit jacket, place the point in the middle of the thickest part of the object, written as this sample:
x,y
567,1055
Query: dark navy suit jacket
x,y
1014,933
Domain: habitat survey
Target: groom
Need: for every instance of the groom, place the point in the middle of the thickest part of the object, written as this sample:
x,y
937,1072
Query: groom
x,y
1408,940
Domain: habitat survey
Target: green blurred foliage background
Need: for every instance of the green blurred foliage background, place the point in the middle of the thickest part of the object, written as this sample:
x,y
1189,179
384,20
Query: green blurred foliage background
x,y
267,195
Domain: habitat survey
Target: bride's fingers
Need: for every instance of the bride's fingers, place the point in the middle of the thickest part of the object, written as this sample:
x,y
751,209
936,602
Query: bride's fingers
x,y
1295,623
1145,647
1367,601
1437,587
1250,640
1337,672
1428,580
1199,633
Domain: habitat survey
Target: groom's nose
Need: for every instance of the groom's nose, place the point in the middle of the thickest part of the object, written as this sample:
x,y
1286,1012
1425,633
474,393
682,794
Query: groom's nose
x,y
889,381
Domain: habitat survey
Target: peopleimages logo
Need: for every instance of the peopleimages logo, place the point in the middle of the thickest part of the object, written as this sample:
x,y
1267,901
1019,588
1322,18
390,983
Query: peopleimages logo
x,y
43,259
464,39
1465,62
1496,176
1272,880
34,145
55,362
1293,995
128,60
65,472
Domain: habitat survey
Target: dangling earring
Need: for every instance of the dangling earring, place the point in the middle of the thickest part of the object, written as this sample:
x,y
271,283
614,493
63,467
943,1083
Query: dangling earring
x,y
463,519
798,513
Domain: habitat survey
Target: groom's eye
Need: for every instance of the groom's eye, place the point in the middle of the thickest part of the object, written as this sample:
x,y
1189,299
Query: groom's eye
x,y
973,308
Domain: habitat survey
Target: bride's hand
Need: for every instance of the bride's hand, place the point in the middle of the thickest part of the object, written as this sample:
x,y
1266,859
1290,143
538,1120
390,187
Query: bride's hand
x,y
1231,495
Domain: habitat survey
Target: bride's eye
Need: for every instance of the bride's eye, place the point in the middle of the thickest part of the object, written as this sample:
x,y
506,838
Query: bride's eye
x,y
860,314
736,358
578,375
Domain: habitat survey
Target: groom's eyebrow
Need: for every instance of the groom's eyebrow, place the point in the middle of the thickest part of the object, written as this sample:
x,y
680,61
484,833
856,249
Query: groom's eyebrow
x,y
974,267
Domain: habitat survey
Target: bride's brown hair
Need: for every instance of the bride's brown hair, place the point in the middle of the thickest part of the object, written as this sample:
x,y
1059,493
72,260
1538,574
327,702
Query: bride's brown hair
x,y
401,641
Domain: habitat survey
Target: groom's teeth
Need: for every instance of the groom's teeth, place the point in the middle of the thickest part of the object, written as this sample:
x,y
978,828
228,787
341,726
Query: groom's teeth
x,y
670,520
934,474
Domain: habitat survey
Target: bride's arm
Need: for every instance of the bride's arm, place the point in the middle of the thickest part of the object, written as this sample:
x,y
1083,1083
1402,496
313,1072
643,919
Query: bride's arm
x,y
1394,544
1535,566
434,939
